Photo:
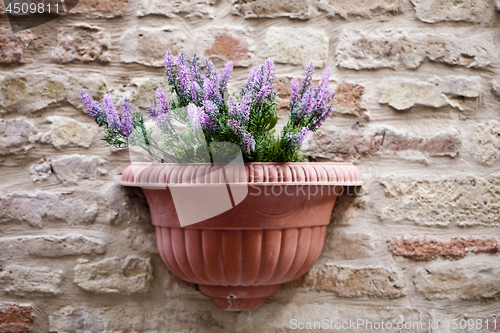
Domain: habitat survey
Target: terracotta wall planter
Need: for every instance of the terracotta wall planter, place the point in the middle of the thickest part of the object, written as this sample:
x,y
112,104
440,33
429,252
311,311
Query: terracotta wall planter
x,y
242,255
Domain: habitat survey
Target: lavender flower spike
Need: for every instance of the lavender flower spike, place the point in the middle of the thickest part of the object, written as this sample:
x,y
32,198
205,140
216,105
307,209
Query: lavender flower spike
x,y
93,108
248,142
126,119
224,76
195,116
170,68
162,102
112,114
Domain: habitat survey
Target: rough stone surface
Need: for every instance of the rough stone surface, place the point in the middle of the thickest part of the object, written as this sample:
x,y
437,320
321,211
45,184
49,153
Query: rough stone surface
x,y
473,11
147,46
100,8
358,49
348,99
360,7
146,318
342,245
356,142
114,275
83,43
12,46
470,280
141,92
16,318
31,92
73,168
463,201
36,207
428,249
16,136
127,204
346,281
54,246
297,46
40,171
143,240
271,8
402,94
495,85
31,280
487,143
172,8
66,132
227,43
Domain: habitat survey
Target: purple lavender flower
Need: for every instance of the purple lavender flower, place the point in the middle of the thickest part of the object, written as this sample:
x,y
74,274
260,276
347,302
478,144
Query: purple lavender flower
x,y
294,90
224,76
194,116
211,90
196,92
296,140
112,114
260,83
162,102
235,126
195,69
210,69
93,108
170,68
248,142
239,110
126,119
210,109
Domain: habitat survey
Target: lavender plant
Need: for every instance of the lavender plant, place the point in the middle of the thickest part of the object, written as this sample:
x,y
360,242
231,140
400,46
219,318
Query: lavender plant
x,y
201,105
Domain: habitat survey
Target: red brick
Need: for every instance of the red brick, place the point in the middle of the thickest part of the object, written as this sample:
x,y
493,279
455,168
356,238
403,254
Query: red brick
x,y
15,318
426,249
12,46
348,99
228,48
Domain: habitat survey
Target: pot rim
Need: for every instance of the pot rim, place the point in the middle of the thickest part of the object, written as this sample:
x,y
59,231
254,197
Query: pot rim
x,y
154,175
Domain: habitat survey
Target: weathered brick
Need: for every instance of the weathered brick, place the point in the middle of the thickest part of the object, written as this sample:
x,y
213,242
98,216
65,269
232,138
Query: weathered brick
x,y
101,8
227,43
360,7
127,204
346,281
403,94
172,8
12,46
16,318
271,8
342,245
355,143
16,136
468,280
358,49
348,100
487,143
30,93
147,46
70,169
36,207
426,249
31,280
463,201
66,132
54,246
432,11
40,171
81,43
297,46
131,318
114,275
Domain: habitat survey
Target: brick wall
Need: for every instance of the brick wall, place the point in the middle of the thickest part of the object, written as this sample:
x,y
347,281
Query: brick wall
x,y
417,110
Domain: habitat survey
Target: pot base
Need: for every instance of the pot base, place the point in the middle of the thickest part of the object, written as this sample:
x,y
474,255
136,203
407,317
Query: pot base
x,y
239,298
